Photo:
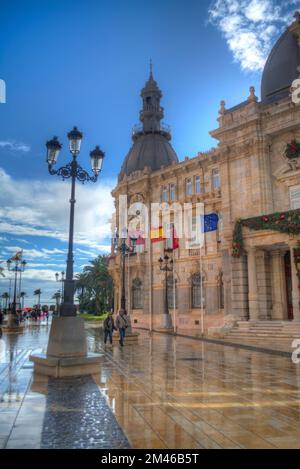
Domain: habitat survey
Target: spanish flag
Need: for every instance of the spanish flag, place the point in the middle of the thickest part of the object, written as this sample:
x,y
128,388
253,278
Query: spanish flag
x,y
157,234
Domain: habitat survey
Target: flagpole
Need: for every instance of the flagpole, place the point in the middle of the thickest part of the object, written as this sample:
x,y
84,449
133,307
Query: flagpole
x,y
150,273
174,291
128,285
201,293
201,276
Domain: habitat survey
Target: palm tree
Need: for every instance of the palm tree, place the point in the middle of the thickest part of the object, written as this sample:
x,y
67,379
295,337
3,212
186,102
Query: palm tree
x,y
57,297
22,295
95,286
5,297
38,293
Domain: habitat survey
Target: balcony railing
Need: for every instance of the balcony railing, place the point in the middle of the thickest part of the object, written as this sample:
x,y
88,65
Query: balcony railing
x,y
138,129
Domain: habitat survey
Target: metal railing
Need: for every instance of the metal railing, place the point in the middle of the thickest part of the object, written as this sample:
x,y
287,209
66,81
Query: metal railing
x,y
139,128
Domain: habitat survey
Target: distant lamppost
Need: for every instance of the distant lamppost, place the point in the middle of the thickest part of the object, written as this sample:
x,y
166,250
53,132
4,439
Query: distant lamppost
x,y
166,265
61,279
74,171
125,249
15,265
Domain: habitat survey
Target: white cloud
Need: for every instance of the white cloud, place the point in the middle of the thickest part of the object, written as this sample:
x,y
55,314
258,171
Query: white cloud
x,y
39,208
251,27
14,146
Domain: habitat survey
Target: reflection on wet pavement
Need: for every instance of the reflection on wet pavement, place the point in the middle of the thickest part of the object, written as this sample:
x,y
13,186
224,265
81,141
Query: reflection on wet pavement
x,y
165,392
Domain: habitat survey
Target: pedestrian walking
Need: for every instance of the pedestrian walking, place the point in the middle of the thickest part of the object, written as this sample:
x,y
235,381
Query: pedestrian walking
x,y
109,328
121,324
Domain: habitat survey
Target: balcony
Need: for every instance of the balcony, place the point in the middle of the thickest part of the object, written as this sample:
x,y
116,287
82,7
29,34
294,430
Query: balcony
x,y
164,129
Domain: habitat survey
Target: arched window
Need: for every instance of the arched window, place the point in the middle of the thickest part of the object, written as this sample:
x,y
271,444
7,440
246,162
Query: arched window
x,y
196,291
137,297
221,291
171,287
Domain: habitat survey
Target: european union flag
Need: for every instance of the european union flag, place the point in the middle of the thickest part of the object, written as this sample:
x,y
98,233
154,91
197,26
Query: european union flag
x,y
209,222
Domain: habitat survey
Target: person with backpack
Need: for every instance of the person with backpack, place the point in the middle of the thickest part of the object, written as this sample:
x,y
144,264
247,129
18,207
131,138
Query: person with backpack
x,y
109,328
121,324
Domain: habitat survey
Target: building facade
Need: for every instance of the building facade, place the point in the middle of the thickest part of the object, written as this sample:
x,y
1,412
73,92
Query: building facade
x,y
247,269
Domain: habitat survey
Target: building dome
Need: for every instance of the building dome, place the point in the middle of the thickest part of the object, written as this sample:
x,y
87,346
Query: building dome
x,y
281,67
151,147
149,150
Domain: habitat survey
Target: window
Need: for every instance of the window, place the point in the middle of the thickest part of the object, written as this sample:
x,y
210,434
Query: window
x,y
137,297
171,292
188,186
172,192
295,197
215,179
196,291
164,196
197,185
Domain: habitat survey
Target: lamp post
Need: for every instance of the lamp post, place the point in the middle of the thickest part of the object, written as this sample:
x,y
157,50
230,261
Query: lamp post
x,y
16,265
164,267
125,249
67,353
74,171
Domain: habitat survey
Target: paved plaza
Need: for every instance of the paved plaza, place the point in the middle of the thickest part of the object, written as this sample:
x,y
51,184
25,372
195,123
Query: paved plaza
x,y
164,392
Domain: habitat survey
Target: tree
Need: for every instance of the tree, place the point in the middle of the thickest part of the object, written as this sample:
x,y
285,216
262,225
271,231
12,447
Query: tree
x,y
5,297
22,295
38,293
57,298
95,287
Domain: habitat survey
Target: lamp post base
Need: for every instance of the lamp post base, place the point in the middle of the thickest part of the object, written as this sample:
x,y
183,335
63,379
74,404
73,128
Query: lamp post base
x,y
67,310
12,326
67,353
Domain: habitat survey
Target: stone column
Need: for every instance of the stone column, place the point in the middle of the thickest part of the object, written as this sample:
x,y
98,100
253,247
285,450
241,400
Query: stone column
x,y
279,306
295,287
252,285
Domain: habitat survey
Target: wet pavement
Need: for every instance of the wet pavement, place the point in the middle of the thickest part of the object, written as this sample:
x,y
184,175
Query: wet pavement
x,y
164,392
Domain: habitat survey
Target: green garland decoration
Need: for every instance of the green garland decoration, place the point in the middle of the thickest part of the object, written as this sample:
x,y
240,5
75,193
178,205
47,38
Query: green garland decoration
x,y
284,222
292,150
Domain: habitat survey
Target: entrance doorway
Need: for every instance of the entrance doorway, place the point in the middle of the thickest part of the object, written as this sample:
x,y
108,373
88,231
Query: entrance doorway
x,y
288,282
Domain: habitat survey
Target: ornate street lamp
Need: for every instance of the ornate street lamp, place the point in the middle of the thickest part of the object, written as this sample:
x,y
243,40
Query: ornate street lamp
x,y
67,353
16,265
166,265
74,171
125,249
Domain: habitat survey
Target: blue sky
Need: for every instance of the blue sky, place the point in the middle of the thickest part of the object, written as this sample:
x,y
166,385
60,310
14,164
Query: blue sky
x,y
84,62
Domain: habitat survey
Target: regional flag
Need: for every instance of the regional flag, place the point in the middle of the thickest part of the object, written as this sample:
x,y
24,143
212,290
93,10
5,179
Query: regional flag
x,y
172,241
136,240
140,244
157,234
